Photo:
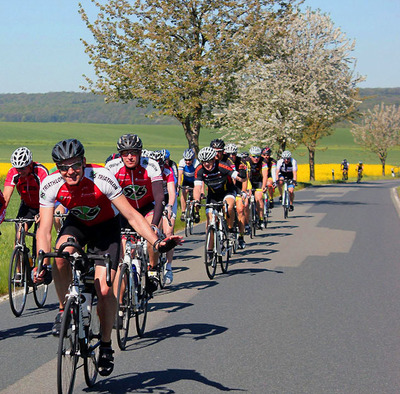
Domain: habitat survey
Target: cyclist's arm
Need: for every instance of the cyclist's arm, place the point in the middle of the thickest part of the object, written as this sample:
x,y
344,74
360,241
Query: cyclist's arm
x,y
171,193
43,234
197,190
180,177
7,192
135,219
158,194
264,172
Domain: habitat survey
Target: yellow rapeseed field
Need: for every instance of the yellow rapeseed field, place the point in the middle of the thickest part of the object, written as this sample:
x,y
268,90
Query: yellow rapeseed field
x,y
323,172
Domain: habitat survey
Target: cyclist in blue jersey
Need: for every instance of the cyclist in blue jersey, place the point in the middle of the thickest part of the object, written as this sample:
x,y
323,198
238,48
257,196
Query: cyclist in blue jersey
x,y
186,169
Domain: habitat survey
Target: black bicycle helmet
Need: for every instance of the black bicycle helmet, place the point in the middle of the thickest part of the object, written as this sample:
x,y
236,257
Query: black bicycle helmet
x,y
217,144
129,141
67,149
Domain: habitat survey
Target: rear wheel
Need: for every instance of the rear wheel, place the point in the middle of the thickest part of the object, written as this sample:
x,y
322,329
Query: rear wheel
x,y
210,257
142,302
94,335
68,348
17,282
123,306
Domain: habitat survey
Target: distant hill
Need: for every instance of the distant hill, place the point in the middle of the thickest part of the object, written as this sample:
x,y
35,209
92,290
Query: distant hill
x,y
73,107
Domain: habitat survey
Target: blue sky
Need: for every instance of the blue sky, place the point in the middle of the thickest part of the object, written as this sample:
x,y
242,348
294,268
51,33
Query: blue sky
x,y
41,50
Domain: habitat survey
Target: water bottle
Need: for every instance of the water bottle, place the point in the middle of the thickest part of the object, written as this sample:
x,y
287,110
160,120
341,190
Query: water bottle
x,y
86,305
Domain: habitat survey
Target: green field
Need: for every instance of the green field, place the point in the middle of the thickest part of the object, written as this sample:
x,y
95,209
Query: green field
x,y
100,140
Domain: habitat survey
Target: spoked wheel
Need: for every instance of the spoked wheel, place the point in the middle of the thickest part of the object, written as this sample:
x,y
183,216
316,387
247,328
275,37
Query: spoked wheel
x,y
266,212
143,304
226,251
254,220
161,271
286,205
91,360
68,348
187,221
17,282
210,257
123,306
40,294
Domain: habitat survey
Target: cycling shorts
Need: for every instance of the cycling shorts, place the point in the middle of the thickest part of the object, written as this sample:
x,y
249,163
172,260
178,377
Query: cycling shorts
x,y
256,185
27,212
101,238
214,199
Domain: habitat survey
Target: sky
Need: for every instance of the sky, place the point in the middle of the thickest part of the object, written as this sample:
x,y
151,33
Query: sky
x,y
41,49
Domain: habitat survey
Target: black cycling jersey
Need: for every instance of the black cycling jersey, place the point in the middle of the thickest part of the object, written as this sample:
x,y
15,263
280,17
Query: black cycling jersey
x,y
270,162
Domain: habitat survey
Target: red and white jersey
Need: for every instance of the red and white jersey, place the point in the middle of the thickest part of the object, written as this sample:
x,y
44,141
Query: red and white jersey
x,y
89,200
168,176
136,182
27,186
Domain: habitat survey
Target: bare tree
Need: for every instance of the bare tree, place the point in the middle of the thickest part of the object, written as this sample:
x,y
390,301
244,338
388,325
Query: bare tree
x,y
178,55
379,130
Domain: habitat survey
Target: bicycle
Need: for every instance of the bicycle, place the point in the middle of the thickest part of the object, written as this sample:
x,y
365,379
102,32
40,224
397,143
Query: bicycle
x,y
132,296
22,264
285,198
217,246
189,211
80,332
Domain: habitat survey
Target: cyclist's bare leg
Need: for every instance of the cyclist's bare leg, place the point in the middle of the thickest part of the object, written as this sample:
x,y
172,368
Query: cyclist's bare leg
x,y
183,200
231,206
168,231
240,213
259,203
291,195
107,305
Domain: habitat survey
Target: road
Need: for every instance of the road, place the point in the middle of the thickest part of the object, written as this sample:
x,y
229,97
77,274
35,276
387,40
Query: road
x,y
310,306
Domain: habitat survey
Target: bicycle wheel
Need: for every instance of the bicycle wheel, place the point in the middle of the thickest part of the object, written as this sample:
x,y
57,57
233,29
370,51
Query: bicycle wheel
x,y
40,294
143,302
226,250
254,220
162,260
91,358
123,306
266,211
210,257
17,282
191,219
68,348
286,205
187,220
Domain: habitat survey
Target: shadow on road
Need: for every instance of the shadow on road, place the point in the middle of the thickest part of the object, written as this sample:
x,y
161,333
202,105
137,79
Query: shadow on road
x,y
155,382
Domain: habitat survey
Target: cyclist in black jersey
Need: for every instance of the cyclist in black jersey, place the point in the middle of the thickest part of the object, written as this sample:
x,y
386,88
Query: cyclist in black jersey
x,y
218,176
271,181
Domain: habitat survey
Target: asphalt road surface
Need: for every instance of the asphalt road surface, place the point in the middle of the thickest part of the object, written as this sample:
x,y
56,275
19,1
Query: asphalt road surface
x,y
310,306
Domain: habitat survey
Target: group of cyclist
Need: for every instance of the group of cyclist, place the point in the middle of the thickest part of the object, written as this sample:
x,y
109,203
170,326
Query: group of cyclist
x,y
136,189
344,167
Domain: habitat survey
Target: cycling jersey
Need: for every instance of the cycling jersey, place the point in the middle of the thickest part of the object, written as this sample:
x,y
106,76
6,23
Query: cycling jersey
x,y
89,200
271,162
286,169
168,176
218,179
188,171
2,207
255,171
345,165
240,166
27,186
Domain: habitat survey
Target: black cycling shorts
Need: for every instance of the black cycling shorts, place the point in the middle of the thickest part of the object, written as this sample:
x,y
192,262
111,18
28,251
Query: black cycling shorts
x,y
101,238
27,212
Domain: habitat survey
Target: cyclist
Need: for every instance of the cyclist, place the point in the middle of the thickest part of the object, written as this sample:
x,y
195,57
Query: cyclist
x,y
167,223
271,181
219,145
26,176
287,168
258,177
218,176
2,207
186,168
360,169
142,184
92,195
344,167
241,200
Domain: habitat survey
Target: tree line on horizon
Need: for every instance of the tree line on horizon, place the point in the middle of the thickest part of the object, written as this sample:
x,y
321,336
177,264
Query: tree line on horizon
x,y
76,107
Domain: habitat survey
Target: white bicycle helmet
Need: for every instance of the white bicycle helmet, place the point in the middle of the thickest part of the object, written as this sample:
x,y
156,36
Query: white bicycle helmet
x,y
206,154
255,151
286,154
188,154
21,157
231,149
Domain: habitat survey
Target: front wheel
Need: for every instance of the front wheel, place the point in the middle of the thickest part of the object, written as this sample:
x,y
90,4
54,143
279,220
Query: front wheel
x,y
40,294
210,256
142,302
123,306
254,220
91,358
17,282
68,348
226,251
286,205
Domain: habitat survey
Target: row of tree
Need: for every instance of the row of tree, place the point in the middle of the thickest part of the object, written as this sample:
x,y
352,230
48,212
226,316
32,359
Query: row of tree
x,y
262,71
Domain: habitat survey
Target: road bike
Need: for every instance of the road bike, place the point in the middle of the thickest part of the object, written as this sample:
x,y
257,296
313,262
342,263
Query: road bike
x,y
21,267
218,247
285,197
189,211
132,295
80,332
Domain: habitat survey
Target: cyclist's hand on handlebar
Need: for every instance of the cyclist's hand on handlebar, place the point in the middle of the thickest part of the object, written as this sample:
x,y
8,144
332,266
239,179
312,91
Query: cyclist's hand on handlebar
x,y
168,243
37,218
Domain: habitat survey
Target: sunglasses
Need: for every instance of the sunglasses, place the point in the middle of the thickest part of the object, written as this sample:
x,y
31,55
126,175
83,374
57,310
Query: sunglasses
x,y
255,157
126,153
75,166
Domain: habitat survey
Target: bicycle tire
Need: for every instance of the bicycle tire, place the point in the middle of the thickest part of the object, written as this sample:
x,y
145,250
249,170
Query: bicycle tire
x,y
286,205
210,259
91,359
143,301
40,294
254,218
191,220
187,220
226,249
266,212
124,305
18,281
162,260
68,347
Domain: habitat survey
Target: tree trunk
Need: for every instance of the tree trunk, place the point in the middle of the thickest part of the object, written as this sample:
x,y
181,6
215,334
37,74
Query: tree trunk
x,y
191,126
311,162
383,161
